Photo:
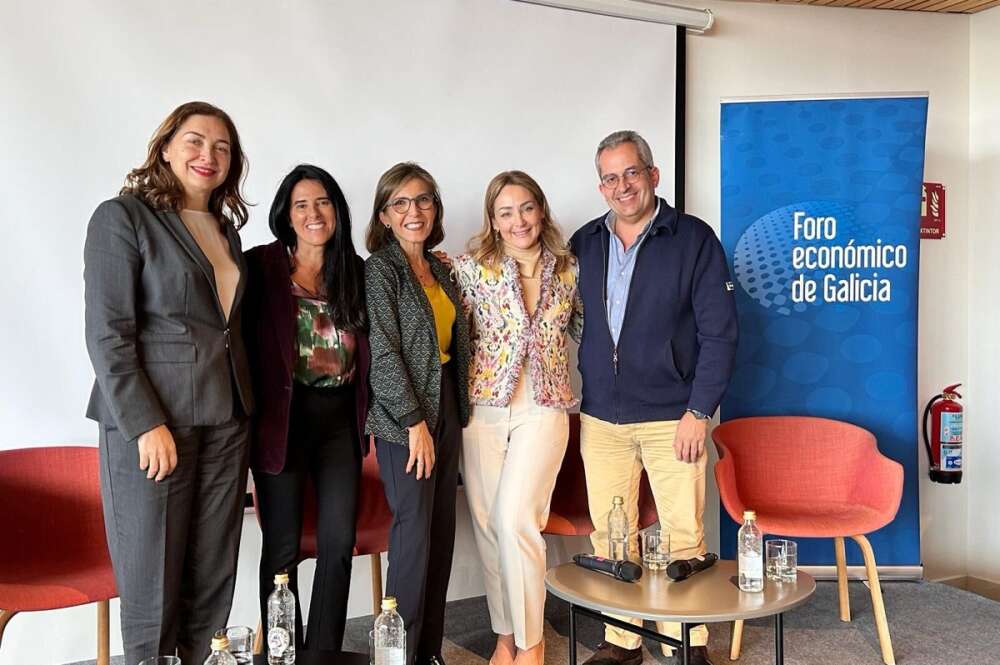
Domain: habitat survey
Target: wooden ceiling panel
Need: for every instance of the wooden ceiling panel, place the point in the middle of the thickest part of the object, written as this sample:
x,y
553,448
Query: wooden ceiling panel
x,y
943,6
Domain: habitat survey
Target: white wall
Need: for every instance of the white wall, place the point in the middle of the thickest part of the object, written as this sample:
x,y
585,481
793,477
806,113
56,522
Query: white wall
x,y
982,394
772,49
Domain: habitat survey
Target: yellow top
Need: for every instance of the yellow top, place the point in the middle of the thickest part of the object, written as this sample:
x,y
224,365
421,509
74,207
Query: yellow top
x,y
444,318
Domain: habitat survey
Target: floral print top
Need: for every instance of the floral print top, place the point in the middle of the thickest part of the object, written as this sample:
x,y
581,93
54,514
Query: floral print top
x,y
325,356
504,337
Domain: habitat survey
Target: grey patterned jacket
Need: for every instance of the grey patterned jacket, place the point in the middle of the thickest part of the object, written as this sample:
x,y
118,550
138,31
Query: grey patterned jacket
x,y
405,372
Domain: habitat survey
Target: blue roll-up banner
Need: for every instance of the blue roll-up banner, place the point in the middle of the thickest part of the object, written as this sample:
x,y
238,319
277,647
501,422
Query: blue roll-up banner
x,y
821,225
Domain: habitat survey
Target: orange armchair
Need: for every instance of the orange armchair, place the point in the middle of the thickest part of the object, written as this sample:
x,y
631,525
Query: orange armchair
x,y
811,477
55,551
570,514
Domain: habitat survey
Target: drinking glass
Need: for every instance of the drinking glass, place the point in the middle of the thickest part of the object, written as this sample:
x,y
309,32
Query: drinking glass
x,y
240,643
162,660
781,561
656,548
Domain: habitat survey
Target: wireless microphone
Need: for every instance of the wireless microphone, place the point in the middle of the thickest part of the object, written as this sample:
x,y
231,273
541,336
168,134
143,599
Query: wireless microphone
x,y
626,571
685,568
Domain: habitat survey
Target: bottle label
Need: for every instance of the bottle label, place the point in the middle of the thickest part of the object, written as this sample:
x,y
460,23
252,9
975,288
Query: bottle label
x,y
278,640
951,430
951,456
751,565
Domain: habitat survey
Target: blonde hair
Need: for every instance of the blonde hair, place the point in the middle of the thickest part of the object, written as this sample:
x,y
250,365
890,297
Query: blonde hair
x,y
486,247
377,235
157,185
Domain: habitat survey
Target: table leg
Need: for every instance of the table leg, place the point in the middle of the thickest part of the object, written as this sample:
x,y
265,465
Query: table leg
x,y
685,644
779,639
572,634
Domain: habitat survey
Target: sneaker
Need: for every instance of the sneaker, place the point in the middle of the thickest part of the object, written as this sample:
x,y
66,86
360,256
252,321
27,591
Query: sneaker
x,y
699,656
612,654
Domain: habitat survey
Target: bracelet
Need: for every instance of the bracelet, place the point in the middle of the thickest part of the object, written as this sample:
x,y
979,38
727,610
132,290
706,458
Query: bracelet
x,y
697,414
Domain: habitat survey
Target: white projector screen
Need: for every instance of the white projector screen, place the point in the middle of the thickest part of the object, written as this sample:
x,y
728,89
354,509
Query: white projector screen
x,y
468,88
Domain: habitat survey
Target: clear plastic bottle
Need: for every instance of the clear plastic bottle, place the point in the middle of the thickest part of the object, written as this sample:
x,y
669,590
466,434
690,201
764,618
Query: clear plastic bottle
x,y
390,635
220,652
281,623
750,544
618,530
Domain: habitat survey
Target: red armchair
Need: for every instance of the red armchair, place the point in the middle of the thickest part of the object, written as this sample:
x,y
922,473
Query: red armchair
x,y
811,477
371,534
55,551
569,514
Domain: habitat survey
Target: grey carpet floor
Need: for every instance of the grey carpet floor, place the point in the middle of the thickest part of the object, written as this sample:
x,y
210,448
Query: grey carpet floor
x,y
931,624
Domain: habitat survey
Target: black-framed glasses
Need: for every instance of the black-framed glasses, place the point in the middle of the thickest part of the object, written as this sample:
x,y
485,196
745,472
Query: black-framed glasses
x,y
628,176
401,204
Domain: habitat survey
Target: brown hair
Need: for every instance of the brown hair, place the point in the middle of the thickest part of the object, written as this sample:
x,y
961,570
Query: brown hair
x,y
377,235
486,246
156,184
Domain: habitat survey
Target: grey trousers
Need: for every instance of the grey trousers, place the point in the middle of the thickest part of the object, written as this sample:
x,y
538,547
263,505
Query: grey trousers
x,y
174,543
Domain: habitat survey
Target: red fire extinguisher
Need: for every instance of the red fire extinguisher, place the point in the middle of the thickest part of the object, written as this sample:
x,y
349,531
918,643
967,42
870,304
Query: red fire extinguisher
x,y
944,447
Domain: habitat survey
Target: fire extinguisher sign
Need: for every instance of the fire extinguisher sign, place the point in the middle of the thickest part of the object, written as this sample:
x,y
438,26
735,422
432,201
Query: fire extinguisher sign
x,y
932,211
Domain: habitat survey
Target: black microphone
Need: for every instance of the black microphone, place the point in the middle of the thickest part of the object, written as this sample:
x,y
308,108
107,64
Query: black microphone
x,y
626,571
685,568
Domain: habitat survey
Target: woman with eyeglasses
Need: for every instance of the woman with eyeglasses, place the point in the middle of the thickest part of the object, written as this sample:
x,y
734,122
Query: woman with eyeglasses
x,y
419,396
308,351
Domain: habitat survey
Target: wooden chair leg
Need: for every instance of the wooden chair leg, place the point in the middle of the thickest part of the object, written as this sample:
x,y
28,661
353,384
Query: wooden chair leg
x,y
845,599
878,607
736,641
104,632
5,616
376,564
258,640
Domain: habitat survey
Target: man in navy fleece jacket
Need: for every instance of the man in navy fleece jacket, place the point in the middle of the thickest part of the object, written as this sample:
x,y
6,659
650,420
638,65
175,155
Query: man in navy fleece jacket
x,y
656,356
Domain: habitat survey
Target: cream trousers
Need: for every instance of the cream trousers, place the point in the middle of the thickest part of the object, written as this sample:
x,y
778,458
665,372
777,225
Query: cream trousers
x,y
510,458
613,459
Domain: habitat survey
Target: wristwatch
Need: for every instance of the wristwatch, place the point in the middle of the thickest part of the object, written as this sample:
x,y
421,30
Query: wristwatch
x,y
697,414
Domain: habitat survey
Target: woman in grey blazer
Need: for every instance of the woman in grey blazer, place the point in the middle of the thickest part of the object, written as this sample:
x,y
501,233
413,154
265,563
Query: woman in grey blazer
x,y
419,397
164,280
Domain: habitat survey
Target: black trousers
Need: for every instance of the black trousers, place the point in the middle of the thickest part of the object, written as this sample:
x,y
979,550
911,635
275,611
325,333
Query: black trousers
x,y
174,543
323,446
422,536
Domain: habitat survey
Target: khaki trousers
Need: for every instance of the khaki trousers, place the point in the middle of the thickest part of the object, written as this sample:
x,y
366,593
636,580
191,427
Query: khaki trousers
x,y
510,459
613,459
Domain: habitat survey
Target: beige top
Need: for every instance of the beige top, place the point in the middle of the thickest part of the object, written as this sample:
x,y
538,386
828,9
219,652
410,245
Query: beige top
x,y
528,265
709,596
207,232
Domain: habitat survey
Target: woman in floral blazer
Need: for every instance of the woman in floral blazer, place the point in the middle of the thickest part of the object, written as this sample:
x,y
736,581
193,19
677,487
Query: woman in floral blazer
x,y
518,285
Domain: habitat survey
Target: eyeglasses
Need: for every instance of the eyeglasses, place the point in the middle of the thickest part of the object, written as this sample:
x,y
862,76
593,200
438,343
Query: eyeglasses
x,y
628,176
402,204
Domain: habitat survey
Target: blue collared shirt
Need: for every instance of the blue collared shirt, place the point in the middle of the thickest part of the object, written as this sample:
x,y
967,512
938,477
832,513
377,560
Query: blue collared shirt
x,y
621,265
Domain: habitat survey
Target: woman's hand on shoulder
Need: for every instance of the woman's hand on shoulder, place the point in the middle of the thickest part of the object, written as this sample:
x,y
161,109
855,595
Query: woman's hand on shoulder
x,y
157,453
421,450
443,257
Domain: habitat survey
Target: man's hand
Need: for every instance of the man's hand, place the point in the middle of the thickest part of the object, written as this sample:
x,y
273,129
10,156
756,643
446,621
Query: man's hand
x,y
689,441
157,453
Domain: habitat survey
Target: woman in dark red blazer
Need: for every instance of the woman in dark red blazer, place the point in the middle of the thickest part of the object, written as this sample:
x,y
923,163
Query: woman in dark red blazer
x,y
308,349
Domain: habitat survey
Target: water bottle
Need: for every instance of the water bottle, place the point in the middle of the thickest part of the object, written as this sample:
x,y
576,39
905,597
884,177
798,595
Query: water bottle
x,y
281,623
390,635
750,542
220,652
617,530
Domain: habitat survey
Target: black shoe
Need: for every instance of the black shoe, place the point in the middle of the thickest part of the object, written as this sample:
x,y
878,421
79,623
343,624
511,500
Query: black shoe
x,y
433,660
699,656
612,654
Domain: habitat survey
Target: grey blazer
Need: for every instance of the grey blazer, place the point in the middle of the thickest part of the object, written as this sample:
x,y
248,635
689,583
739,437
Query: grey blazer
x,y
161,348
405,375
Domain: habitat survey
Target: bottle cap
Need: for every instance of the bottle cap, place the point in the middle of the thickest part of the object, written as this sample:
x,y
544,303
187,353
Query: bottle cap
x,y
389,603
220,643
281,578
749,515
617,501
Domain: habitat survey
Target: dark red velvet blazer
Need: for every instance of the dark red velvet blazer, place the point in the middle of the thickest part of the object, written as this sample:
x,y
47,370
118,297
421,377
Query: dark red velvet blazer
x,y
269,330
